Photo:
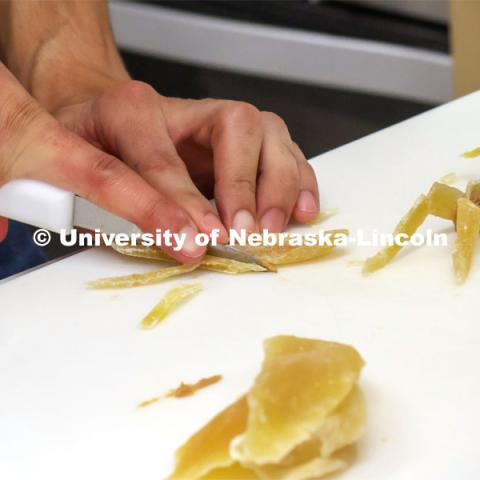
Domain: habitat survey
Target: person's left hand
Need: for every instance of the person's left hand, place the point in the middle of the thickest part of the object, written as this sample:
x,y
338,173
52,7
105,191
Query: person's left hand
x,y
3,228
260,177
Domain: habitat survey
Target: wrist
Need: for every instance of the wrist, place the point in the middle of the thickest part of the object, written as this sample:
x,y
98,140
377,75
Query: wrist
x,y
59,83
60,51
62,76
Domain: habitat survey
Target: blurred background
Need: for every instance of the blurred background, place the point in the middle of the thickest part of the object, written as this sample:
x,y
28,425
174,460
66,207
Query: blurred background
x,y
334,70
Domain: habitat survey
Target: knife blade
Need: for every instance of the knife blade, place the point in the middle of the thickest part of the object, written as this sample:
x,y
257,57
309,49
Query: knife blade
x,y
234,253
89,216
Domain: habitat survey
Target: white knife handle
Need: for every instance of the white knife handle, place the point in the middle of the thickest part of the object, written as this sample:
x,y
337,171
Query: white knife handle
x,y
38,204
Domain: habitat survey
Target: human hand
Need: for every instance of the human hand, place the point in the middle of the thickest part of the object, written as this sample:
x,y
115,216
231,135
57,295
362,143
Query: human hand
x,y
36,146
178,148
181,147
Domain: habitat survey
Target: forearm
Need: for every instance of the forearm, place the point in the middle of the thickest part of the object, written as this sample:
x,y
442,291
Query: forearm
x,y
59,50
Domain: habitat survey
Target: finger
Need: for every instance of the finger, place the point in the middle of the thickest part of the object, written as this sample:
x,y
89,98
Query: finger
x,y
279,176
236,140
70,163
233,131
143,142
3,228
308,203
199,163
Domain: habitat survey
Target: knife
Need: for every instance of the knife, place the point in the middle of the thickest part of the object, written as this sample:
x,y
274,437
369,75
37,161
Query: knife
x,y
45,206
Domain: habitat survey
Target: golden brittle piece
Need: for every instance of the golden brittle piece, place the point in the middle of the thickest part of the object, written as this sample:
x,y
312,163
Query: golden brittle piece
x,y
141,251
303,409
408,225
442,201
227,265
473,192
448,203
209,262
449,178
472,153
283,414
323,453
468,228
291,253
170,300
141,279
209,448
183,390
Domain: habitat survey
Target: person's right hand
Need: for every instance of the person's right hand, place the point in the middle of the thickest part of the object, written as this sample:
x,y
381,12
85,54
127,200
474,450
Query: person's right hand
x,y
34,145
260,177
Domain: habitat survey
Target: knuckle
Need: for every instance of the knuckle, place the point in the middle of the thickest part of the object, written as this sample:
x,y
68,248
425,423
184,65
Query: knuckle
x,y
104,164
291,176
191,201
137,90
240,112
18,113
20,131
193,198
162,211
239,184
134,91
290,184
296,147
157,162
308,169
298,152
151,210
103,169
287,149
17,119
244,184
275,120
286,180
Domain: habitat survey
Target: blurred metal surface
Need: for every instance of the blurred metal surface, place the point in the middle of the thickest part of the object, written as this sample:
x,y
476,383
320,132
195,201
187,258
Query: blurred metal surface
x,y
433,10
283,53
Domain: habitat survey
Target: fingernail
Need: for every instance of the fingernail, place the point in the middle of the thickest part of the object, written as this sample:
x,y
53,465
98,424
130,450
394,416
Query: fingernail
x,y
212,222
190,247
273,220
306,202
243,220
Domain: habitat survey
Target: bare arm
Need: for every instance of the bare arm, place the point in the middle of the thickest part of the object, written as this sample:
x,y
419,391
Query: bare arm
x,y
53,47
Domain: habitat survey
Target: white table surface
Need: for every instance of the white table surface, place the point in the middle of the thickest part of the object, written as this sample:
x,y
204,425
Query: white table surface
x,y
74,364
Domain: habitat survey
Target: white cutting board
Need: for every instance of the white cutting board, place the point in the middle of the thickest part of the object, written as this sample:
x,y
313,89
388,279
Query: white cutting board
x,y
74,364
